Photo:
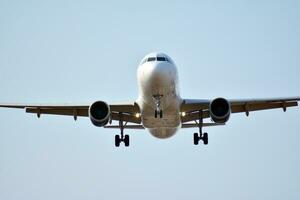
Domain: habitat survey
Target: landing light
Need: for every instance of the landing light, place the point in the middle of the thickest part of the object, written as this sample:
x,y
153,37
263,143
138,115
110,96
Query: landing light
x,y
137,115
183,114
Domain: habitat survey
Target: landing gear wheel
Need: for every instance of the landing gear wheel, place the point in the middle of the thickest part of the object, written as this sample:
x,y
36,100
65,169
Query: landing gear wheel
x,y
126,140
161,114
155,114
205,138
117,140
196,139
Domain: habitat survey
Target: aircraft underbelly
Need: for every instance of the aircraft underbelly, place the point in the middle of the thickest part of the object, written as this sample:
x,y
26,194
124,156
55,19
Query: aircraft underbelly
x,y
162,127
166,126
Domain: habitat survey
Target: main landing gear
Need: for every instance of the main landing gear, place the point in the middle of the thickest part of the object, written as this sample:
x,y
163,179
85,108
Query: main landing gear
x,y
119,139
200,136
122,138
203,137
158,111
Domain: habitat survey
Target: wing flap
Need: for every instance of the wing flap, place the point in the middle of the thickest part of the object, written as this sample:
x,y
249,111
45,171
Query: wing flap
x,y
266,100
81,113
126,127
194,125
59,111
247,107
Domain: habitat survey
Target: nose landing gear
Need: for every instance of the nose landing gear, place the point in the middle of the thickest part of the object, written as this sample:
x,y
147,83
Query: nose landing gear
x,y
158,110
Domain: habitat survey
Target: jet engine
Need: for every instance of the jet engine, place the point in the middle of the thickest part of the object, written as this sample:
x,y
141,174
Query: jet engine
x,y
99,113
220,110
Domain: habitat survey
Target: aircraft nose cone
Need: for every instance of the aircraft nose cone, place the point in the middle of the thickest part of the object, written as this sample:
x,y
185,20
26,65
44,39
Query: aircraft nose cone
x,y
157,77
162,69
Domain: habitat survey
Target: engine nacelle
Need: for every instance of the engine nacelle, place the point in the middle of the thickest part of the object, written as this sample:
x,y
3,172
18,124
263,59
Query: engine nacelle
x,y
220,110
99,113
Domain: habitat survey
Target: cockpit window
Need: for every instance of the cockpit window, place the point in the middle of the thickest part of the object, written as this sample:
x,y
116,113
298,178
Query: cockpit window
x,y
158,58
161,59
151,59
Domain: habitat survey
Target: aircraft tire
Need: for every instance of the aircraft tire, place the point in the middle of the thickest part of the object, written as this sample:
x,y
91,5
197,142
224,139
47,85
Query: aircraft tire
x,y
126,140
196,139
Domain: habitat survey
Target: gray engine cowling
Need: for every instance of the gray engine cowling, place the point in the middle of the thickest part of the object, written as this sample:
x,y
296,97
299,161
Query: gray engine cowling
x,y
220,110
99,113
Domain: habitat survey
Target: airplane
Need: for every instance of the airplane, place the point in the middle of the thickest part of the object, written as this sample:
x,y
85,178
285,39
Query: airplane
x,y
159,107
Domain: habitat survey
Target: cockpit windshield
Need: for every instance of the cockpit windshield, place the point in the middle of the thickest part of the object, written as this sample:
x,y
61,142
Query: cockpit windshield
x,y
161,59
151,59
158,58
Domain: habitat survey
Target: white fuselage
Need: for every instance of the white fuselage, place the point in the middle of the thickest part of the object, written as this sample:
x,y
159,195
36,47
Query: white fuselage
x,y
159,78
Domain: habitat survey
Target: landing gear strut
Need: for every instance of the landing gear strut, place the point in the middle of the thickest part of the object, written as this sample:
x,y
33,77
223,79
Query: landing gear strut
x,y
121,138
158,110
200,136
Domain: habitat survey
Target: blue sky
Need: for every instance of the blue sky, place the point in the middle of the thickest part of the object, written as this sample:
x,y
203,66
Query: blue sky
x,y
82,51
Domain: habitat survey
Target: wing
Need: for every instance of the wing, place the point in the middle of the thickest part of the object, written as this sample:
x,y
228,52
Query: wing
x,y
126,111
192,106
